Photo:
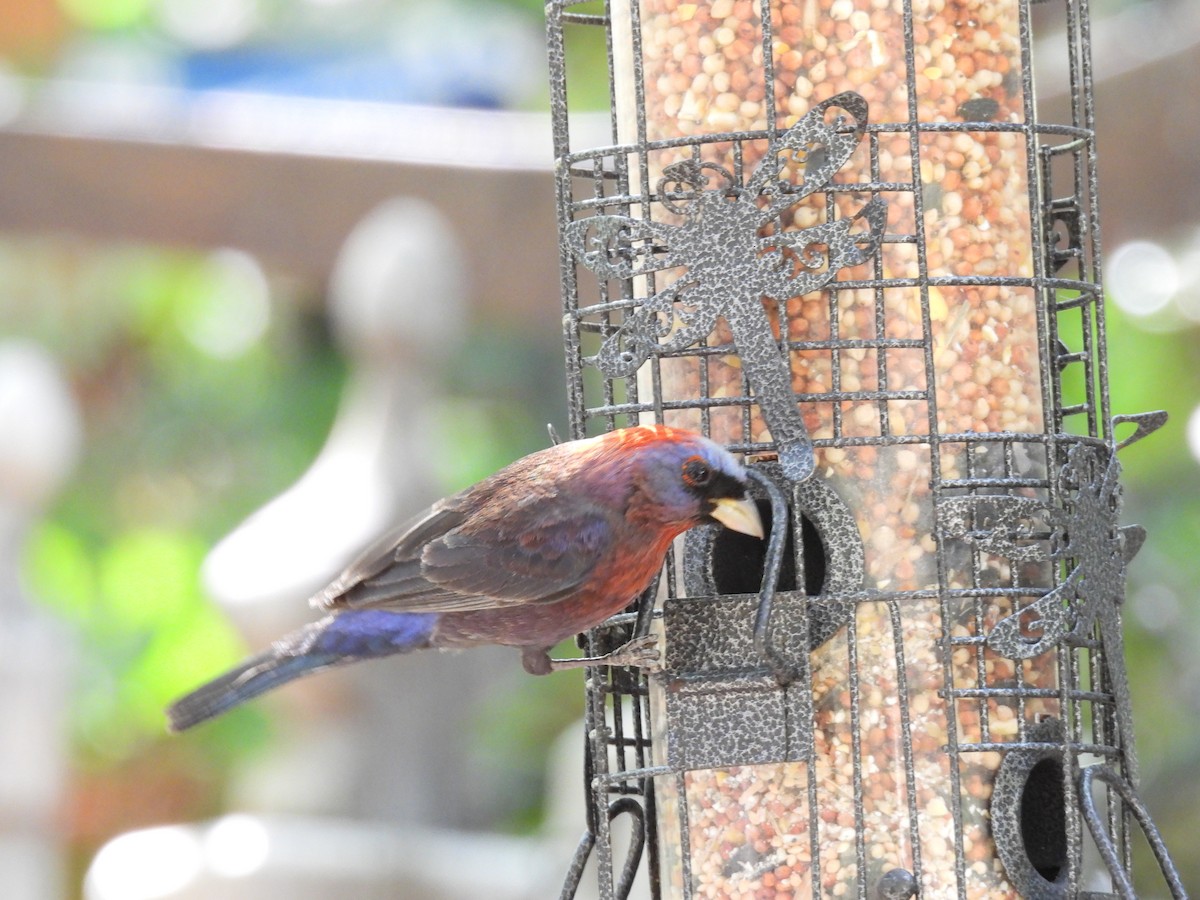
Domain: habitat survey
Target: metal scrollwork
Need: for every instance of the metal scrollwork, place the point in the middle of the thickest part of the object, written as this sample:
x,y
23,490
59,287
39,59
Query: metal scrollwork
x,y
1109,852
626,806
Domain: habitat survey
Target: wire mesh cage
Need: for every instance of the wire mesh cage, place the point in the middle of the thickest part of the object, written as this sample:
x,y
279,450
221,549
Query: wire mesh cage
x,y
839,237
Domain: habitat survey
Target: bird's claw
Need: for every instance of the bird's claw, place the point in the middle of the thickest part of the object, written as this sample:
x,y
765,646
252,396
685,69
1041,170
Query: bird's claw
x,y
639,653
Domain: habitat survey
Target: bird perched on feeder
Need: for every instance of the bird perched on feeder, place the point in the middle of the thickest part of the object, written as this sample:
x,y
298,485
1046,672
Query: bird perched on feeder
x,y
547,547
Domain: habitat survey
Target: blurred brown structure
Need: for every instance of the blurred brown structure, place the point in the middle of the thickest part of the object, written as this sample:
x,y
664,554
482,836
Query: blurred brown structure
x,y
285,179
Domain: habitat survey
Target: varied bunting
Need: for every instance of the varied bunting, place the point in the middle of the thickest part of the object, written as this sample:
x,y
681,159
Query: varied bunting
x,y
547,547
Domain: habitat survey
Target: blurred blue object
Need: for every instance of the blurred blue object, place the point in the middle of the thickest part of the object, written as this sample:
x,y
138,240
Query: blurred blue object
x,y
312,72
485,57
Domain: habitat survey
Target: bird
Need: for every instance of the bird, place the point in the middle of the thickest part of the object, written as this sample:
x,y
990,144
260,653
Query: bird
x,y
547,547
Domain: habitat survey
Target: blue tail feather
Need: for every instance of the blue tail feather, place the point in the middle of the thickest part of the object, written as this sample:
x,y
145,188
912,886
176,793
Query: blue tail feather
x,y
340,638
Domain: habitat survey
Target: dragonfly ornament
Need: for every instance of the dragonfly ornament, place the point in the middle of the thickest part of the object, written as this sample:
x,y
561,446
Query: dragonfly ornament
x,y
730,243
1087,535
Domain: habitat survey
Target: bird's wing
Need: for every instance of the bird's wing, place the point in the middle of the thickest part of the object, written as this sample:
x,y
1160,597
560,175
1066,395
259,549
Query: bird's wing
x,y
540,553
398,545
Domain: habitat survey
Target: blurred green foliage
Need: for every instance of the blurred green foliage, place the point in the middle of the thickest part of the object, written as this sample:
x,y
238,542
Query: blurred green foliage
x,y
181,444
1152,366
107,14
186,434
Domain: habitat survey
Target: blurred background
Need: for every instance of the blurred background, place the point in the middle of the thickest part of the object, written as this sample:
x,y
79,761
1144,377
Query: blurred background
x,y
289,267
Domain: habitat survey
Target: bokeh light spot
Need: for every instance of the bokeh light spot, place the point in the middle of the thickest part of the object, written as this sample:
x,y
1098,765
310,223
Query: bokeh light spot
x,y
236,846
1142,278
209,24
144,865
1193,433
228,309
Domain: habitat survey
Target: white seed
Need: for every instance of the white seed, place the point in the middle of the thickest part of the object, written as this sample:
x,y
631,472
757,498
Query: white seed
x,y
841,9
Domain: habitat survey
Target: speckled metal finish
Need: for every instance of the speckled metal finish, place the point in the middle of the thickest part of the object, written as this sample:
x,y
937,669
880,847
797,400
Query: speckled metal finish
x,y
731,265
686,278
1010,798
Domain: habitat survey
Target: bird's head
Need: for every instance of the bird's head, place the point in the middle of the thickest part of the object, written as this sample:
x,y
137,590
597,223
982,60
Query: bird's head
x,y
685,479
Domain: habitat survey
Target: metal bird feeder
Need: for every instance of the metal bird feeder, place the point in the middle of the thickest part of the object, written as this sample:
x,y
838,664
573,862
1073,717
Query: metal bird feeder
x,y
840,237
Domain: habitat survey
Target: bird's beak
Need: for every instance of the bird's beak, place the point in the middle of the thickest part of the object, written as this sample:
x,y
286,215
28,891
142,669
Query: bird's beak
x,y
739,515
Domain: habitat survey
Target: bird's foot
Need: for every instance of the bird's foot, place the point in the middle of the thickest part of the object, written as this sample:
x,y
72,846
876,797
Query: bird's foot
x,y
639,653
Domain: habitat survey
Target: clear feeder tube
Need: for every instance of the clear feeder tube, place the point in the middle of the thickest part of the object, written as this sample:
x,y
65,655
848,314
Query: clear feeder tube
x,y
929,383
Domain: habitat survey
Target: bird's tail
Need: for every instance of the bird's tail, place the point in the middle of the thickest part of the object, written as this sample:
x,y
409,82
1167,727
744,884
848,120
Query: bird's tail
x,y
254,676
341,638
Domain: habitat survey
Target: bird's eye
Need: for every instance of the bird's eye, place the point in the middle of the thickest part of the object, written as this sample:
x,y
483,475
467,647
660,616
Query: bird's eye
x,y
696,472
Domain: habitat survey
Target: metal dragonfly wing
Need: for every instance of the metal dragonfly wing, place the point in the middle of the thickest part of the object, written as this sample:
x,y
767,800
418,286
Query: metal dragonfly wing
x,y
732,251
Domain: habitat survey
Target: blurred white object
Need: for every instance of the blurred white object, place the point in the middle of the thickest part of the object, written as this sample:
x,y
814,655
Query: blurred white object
x,y
40,438
1193,433
397,299
305,858
387,740
40,432
242,857
1143,277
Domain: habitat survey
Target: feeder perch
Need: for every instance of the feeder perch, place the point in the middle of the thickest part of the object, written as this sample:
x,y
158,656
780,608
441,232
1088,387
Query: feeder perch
x,y
838,237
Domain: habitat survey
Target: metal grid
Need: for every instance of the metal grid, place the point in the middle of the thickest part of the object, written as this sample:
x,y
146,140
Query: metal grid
x,y
1026,666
